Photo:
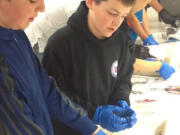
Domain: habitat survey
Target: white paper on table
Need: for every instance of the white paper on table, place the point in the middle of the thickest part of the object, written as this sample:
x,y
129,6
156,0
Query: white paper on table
x,y
162,50
174,80
175,36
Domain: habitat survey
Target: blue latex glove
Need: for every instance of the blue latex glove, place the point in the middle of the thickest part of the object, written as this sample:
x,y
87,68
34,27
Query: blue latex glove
x,y
150,41
166,70
122,103
132,114
112,118
150,59
100,133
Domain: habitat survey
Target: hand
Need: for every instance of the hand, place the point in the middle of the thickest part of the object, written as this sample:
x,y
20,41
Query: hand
x,y
123,104
132,114
166,70
113,118
150,41
141,52
166,17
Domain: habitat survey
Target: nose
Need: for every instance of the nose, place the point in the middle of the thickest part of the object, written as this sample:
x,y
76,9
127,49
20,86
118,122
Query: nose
x,y
41,6
117,21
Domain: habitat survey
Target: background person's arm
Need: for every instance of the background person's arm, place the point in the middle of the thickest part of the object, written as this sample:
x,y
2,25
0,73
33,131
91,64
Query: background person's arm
x,y
136,26
156,5
145,23
151,65
146,66
163,13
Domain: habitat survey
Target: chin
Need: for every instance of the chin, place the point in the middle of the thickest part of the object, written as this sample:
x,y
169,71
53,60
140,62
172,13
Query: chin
x,y
108,35
23,27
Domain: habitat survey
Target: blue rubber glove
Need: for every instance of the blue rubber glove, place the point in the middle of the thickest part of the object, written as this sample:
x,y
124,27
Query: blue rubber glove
x,y
122,103
150,41
132,114
166,70
150,59
112,118
100,133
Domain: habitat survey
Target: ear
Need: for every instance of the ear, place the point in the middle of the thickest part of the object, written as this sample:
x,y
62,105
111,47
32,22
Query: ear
x,y
89,3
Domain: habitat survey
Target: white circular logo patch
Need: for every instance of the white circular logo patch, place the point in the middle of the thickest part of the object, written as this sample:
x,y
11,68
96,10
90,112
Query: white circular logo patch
x,y
114,68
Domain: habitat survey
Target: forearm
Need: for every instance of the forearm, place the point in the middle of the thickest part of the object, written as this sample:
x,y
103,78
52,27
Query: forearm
x,y
147,66
136,26
62,109
65,111
145,23
121,90
76,98
88,106
156,5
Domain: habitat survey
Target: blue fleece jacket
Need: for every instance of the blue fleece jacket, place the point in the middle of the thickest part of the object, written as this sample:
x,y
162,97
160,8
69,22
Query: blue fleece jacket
x,y
28,97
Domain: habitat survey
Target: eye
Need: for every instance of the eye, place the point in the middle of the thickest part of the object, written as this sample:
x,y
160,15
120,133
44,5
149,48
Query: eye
x,y
33,1
123,16
112,14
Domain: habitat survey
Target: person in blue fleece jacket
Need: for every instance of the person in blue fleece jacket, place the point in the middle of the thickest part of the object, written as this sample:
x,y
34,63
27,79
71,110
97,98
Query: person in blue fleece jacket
x,y
28,97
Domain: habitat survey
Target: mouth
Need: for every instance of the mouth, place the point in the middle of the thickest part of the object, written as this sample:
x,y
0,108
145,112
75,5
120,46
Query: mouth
x,y
111,29
31,19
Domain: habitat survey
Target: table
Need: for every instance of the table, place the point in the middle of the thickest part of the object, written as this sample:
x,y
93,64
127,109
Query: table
x,y
157,109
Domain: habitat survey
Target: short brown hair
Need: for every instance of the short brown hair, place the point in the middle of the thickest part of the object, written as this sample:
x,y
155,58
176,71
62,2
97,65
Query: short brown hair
x,y
125,2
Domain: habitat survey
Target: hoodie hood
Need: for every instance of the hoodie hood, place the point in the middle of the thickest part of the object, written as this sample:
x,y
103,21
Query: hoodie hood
x,y
79,23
